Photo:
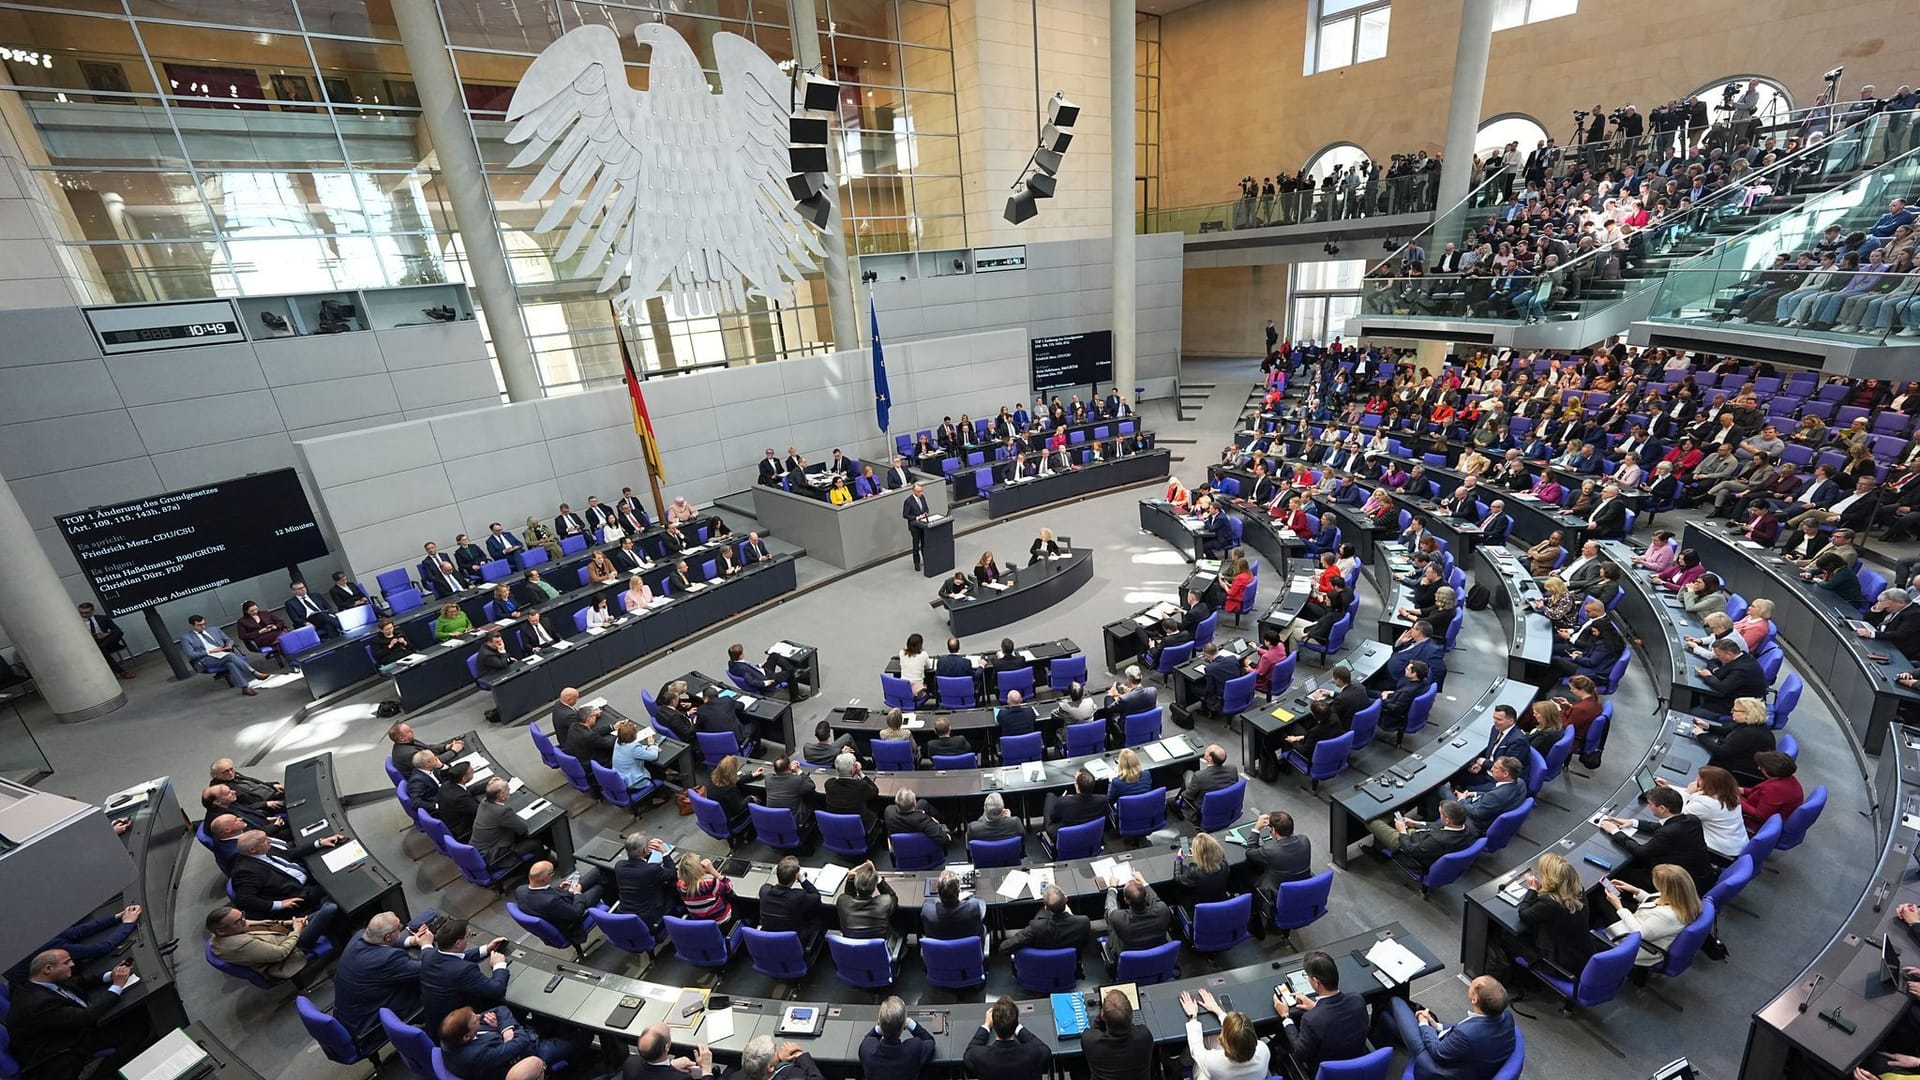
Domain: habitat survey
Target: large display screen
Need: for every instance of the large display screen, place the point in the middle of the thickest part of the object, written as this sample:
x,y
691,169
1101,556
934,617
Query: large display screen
x,y
164,547
1072,360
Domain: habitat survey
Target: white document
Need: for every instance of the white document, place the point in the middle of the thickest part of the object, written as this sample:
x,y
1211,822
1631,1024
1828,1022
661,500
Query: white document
x,y
484,772
747,700
1157,752
347,854
563,643
514,784
505,622
827,879
696,586
1100,768
660,601
596,703
1145,620
534,809
1027,655
476,759
175,1054
1107,870
1394,960
535,660
915,723
996,585
1034,771
1013,884
719,1025
416,658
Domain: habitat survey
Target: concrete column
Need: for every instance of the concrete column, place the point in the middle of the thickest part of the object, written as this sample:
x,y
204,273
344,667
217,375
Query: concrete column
x,y
38,616
1463,108
1120,81
840,308
443,109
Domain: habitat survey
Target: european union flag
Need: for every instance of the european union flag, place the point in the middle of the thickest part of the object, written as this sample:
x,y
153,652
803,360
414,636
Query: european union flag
x,y
882,398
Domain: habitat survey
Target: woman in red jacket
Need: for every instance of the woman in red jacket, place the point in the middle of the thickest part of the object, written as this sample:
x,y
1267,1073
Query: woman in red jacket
x,y
1776,793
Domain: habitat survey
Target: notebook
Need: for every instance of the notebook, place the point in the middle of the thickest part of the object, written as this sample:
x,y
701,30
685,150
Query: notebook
x,y
1069,1015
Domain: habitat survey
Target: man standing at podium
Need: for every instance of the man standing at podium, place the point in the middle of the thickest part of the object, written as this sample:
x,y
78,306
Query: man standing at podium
x,y
916,512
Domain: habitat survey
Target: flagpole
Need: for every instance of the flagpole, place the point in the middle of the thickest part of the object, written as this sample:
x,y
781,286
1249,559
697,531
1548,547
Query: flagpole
x,y
646,460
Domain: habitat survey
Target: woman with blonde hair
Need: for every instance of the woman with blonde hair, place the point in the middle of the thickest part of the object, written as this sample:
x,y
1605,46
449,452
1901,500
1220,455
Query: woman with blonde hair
x,y
1547,726
637,596
1673,907
1562,605
452,622
1240,1055
1202,876
1754,626
1553,911
1732,746
706,892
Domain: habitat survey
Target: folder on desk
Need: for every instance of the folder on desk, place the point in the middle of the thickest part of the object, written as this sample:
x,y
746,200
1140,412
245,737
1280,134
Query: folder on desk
x,y
1069,1015
1014,884
688,1009
827,879
1394,960
343,857
1157,752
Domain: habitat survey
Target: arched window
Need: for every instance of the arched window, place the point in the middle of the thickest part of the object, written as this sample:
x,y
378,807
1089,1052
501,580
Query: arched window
x,y
1343,153
1497,132
1771,102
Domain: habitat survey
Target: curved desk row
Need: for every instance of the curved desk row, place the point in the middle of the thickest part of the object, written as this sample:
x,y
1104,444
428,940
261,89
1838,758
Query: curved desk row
x,y
1512,590
1791,1035
1010,900
957,794
1354,528
1491,916
1262,727
337,663
1035,588
1012,497
157,841
586,998
1818,627
362,888
1039,656
589,655
1653,621
774,717
544,819
1158,516
1398,781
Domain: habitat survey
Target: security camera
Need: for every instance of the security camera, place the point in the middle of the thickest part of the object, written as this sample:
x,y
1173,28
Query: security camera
x,y
1835,73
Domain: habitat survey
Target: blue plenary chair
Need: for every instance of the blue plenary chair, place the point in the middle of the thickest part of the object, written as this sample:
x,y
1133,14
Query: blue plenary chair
x,y
1417,714
615,790
715,745
1299,904
474,868
957,964
392,581
1046,971
1330,758
548,933
1502,830
843,834
956,761
1138,816
699,942
1144,967
1735,878
1599,980
1236,696
987,854
956,691
1794,829
1020,679
1447,868
777,954
1679,953
1219,926
1065,671
916,851
863,963
898,693
1082,841
1141,727
1087,738
1219,809
1366,725
1281,677
1172,657
414,1046
1020,749
543,744
628,933
1767,837
341,1046
1370,1067
774,826
893,755
712,820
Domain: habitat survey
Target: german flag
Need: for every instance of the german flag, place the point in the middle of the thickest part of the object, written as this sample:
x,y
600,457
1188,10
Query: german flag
x,y
642,422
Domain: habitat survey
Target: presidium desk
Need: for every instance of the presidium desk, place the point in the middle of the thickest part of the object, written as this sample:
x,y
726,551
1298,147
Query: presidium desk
x,y
1035,588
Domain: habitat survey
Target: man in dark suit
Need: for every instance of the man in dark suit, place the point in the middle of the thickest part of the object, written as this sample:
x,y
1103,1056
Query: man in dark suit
x,y
500,835
1351,697
851,791
1053,927
1505,740
1418,845
565,904
1734,674
1214,774
724,714
451,976
947,917
1608,521
866,907
789,787
567,523
305,610
405,746
1077,806
626,558
1497,524
347,593
1004,1050
996,822
914,511
1396,705
1127,697
221,799
567,713
1276,853
1196,613
591,740
1016,717
944,742
1168,635
109,637
379,970
1679,838
909,814
1417,644
598,515
789,903
1221,668
488,1046
1507,790
1592,647
441,573
266,881
1473,1049
1136,916
468,556
897,475
772,469
896,1046
56,1023
457,801
1331,1027
1895,621
423,783
647,888
742,670
753,550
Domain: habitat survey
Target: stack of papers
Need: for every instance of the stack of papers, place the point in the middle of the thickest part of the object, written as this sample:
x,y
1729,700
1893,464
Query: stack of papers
x,y
827,879
1174,746
1014,884
563,643
1108,870
534,660
1157,753
996,585
696,586
346,855
1394,960
1100,768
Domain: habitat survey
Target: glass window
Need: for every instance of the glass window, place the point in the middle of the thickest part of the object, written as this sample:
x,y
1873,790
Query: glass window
x,y
72,52
1511,13
1328,276
1345,155
251,138
1495,134
865,18
350,18
264,14
508,27
871,63
1736,95
121,131
120,206
924,24
1343,32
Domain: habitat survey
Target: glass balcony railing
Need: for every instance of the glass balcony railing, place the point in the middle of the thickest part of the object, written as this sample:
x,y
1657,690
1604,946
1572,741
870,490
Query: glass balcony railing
x,y
1864,307
1394,195
1737,228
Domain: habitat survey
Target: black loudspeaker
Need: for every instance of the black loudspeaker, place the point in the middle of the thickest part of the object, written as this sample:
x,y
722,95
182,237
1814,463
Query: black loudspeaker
x,y
1020,207
819,95
807,159
816,209
1051,138
1041,185
1046,161
805,185
807,129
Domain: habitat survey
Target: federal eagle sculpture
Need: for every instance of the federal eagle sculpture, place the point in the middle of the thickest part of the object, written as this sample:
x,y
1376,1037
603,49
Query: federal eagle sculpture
x,y
678,189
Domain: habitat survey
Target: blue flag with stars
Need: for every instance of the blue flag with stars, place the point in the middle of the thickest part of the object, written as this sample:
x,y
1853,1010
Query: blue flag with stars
x,y
882,398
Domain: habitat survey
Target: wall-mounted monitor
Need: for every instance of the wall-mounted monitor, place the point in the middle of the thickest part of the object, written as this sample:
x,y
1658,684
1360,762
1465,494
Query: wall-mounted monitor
x,y
152,550
1072,360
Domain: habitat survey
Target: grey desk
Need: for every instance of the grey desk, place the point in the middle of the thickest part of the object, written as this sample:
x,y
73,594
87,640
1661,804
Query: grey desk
x,y
1399,782
1788,1038
1490,917
550,822
1035,588
157,840
1012,498
1040,654
861,532
1862,688
1262,728
1158,517
1656,624
585,998
314,808
1513,591
774,717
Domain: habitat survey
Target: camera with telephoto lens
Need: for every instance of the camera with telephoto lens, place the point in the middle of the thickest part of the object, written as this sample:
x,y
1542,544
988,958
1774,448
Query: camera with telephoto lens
x,y
334,317
1580,116
1617,116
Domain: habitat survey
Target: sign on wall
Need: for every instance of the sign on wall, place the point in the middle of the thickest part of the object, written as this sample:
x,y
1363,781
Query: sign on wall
x,y
125,328
1072,360
989,260
163,547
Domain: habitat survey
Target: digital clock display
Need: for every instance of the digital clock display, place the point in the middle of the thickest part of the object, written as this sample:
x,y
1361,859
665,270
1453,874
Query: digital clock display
x,y
169,333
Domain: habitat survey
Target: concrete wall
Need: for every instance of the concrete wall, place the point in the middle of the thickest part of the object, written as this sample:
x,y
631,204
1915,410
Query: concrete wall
x,y
78,429
501,463
1067,288
1227,309
1229,109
